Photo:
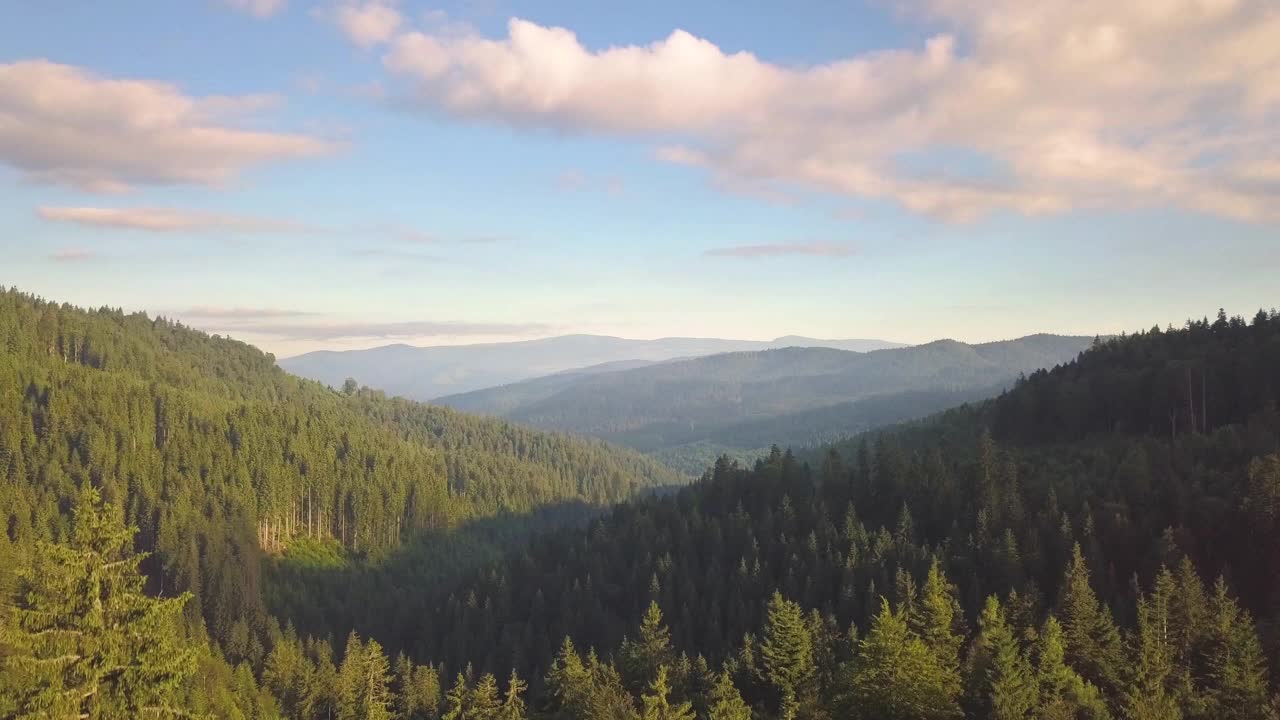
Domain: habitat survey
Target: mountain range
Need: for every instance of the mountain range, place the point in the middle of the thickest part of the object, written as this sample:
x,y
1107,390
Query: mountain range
x,y
424,373
689,411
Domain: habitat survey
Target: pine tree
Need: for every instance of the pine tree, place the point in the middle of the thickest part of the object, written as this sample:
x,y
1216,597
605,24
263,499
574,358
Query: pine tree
x,y
568,682
485,702
895,676
351,679
724,700
1064,695
419,690
84,639
513,707
657,705
607,698
641,658
456,700
1236,675
375,694
1148,696
934,621
1093,646
786,653
1002,684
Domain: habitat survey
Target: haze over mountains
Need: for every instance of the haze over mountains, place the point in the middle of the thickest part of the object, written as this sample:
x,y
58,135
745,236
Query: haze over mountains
x,y
424,373
691,410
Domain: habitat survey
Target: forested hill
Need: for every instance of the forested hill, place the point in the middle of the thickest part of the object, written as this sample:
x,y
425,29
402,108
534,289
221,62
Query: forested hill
x,y
1103,540
739,402
220,457
425,373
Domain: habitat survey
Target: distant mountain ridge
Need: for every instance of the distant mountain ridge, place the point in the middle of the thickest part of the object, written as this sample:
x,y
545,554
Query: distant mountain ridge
x,y
685,411
424,373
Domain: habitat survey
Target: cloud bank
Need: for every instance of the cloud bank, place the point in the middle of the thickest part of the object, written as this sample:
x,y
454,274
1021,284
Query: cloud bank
x,y
1025,107
63,124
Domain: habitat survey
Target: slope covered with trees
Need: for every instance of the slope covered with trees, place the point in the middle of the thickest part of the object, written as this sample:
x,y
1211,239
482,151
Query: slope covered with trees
x,y
220,459
1032,556
425,373
1046,554
686,412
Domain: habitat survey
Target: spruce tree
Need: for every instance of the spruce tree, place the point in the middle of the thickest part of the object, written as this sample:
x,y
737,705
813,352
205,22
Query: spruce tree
x,y
934,620
1093,646
513,707
84,639
568,682
485,702
641,658
1236,669
786,653
456,700
1148,695
895,676
375,701
724,700
657,704
1064,695
1002,684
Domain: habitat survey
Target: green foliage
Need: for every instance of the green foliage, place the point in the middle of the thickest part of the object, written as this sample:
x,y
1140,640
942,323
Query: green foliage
x,y
657,704
786,654
1002,684
895,676
276,513
1064,695
1092,639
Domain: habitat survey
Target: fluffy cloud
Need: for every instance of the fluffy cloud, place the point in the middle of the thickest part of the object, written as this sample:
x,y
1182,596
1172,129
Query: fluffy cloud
x,y
367,23
1030,107
258,8
818,249
62,124
166,220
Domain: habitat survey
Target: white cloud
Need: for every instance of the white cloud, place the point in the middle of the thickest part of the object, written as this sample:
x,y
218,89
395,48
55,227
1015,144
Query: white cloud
x,y
368,23
258,8
63,124
167,220
1055,105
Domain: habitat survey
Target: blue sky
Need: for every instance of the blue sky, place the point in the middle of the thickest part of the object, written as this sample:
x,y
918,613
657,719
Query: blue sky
x,y
352,173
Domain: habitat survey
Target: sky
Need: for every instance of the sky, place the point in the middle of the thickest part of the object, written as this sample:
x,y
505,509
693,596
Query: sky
x,y
352,173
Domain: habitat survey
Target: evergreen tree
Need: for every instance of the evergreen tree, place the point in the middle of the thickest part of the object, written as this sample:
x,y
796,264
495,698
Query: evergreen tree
x,y
1002,684
786,653
568,683
485,702
1148,696
513,707
84,639
1064,695
724,700
934,621
895,677
656,702
375,701
1236,670
641,658
456,700
1093,646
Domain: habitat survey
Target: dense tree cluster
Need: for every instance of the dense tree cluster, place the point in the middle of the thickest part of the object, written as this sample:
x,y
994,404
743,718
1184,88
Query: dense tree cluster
x,y
221,460
1048,554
